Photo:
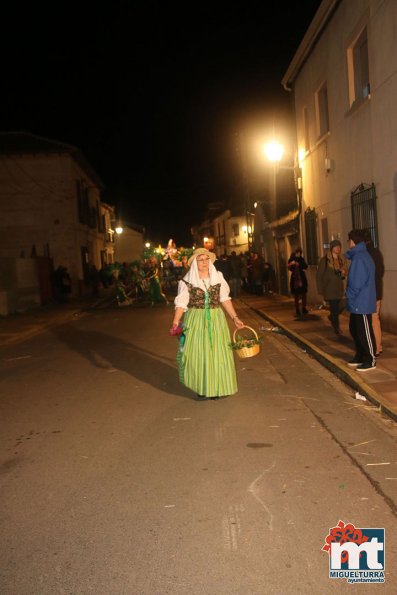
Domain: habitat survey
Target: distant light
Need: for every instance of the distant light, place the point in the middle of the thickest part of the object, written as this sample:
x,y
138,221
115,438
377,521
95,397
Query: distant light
x,y
255,205
273,151
147,245
119,230
205,240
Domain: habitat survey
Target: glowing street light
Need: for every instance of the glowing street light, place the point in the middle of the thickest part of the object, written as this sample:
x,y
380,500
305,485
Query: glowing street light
x,y
273,151
119,230
147,245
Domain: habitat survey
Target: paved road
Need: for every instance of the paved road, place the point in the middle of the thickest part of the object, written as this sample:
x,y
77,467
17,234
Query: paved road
x,y
115,482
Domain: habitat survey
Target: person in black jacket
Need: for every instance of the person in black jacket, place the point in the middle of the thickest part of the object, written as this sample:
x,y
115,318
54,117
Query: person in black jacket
x,y
298,282
377,257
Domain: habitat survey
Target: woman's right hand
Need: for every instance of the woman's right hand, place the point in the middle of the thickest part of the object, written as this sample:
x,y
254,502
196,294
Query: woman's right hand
x,y
174,330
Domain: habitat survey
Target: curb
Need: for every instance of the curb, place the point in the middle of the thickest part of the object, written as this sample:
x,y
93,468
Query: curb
x,y
343,372
58,319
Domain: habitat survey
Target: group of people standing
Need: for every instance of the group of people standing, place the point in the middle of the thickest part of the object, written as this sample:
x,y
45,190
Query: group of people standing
x,y
356,277
248,271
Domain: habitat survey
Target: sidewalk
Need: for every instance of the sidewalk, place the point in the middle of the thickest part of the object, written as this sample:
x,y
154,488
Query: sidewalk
x,y
315,334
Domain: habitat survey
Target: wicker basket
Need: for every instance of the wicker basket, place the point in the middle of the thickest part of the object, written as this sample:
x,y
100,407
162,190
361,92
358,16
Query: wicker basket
x,y
245,352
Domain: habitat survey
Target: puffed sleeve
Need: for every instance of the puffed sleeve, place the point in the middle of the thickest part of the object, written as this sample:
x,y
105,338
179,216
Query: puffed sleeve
x,y
225,289
182,299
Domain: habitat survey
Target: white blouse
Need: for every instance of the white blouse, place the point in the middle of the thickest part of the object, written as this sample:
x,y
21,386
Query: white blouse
x,y
182,299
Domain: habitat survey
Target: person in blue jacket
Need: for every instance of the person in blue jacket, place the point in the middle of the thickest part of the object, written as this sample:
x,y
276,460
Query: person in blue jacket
x,y
361,301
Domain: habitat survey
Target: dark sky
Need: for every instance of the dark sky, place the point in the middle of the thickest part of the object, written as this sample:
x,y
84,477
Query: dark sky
x,y
153,93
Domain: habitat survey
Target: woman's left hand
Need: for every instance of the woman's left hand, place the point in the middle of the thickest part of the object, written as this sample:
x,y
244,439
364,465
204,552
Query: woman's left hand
x,y
238,323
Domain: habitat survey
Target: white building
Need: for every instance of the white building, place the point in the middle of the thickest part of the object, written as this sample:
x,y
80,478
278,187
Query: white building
x,y
344,81
50,204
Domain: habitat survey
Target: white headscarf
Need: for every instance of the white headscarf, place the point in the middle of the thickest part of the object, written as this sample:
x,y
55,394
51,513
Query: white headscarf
x,y
192,276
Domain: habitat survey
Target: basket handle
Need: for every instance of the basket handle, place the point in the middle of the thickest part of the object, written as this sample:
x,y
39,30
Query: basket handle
x,y
245,326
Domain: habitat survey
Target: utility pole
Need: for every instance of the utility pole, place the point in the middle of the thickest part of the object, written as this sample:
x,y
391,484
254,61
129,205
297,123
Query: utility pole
x,y
242,149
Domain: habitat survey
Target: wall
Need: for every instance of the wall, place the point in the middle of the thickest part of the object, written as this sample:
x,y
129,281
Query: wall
x,y
361,141
19,286
39,209
128,245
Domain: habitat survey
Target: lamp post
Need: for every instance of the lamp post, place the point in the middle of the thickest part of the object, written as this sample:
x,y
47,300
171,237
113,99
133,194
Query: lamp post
x,y
273,152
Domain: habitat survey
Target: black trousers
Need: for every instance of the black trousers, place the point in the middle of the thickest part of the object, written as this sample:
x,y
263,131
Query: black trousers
x,y
360,327
335,308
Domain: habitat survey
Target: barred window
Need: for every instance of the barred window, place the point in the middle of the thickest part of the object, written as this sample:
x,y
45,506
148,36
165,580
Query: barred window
x,y
363,205
311,236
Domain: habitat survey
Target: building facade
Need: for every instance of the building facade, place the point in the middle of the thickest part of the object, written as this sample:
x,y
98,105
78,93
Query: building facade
x,y
50,201
344,81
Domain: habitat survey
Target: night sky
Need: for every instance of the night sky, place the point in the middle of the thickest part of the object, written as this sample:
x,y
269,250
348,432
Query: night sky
x,y
153,94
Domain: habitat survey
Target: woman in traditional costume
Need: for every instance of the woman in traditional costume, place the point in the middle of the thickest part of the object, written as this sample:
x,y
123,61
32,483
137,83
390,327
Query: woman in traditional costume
x,y
205,358
155,292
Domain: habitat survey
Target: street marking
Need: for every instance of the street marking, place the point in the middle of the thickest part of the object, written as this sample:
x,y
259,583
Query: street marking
x,y
253,489
362,443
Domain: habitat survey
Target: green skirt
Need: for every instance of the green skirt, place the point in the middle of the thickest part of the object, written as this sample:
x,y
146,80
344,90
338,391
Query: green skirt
x,y
206,360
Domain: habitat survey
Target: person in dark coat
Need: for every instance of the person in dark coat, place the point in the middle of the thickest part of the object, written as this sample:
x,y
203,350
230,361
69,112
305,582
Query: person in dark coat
x,y
377,257
298,281
256,274
236,266
222,264
330,279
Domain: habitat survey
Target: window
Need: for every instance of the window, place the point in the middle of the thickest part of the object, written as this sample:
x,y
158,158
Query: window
x,y
358,68
100,219
322,110
83,202
235,229
311,236
306,129
363,204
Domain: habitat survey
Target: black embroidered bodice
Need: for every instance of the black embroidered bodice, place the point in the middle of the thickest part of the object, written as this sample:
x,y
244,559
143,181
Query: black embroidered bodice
x,y
197,296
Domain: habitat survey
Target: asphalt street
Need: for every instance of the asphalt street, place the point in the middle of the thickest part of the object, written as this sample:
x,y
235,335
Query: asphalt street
x,y
115,481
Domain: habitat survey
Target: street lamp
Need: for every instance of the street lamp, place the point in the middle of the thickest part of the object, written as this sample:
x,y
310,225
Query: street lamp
x,y
273,151
119,230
